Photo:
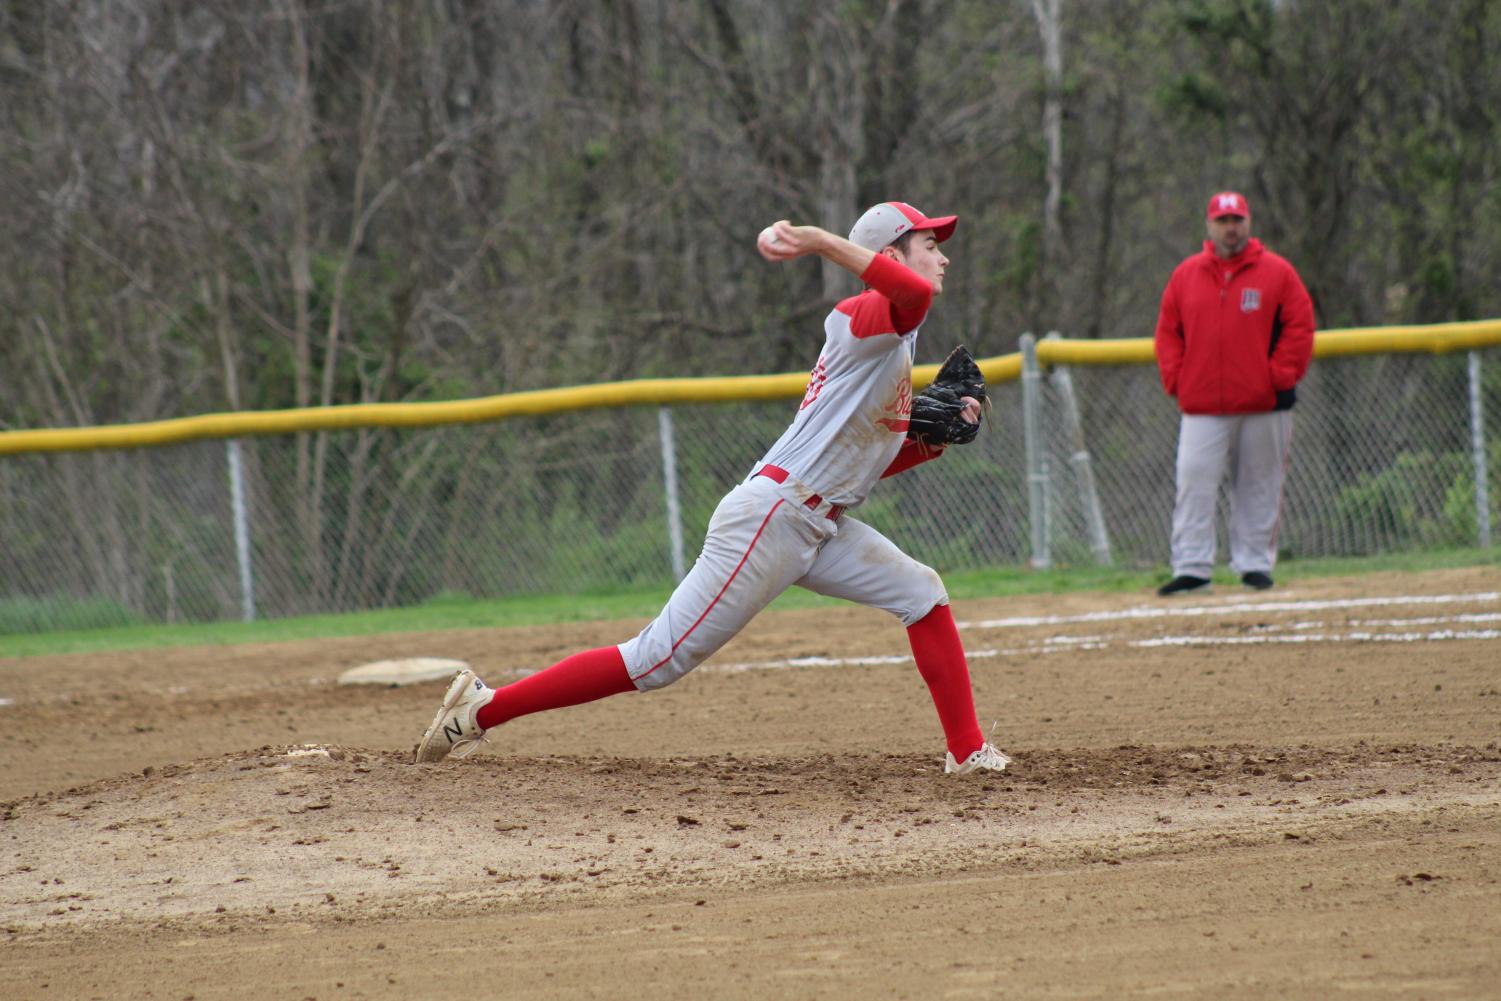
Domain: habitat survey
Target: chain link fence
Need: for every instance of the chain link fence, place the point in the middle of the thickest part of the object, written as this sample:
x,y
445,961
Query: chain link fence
x,y
1383,459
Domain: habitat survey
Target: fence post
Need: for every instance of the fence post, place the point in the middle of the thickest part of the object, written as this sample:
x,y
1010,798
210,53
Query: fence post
x,y
670,484
1089,496
1037,461
241,513
1477,447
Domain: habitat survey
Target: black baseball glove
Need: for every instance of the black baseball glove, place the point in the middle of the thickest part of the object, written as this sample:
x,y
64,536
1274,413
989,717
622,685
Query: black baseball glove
x,y
936,412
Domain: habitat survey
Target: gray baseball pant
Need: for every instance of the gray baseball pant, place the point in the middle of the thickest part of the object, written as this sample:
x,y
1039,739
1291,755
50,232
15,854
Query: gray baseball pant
x,y
1253,449
761,541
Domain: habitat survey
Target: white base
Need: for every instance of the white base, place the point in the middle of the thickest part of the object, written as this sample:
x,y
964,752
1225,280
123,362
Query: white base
x,y
410,671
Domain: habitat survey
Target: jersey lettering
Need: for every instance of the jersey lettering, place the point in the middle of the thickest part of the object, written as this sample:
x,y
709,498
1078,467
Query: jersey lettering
x,y
816,379
900,408
1250,300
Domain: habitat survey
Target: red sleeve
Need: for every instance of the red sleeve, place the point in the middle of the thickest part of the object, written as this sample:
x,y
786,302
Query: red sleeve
x,y
1169,338
1294,348
909,292
913,453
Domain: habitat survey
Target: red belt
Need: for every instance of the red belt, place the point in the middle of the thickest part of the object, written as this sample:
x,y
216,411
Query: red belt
x,y
780,475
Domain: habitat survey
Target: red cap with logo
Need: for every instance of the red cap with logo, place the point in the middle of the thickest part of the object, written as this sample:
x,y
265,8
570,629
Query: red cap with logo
x,y
885,222
1228,203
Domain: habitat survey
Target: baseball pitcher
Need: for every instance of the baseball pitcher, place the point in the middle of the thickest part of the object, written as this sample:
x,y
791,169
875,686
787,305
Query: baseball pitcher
x,y
788,522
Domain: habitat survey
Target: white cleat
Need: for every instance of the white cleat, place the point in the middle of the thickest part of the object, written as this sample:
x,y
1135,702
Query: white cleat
x,y
454,730
987,758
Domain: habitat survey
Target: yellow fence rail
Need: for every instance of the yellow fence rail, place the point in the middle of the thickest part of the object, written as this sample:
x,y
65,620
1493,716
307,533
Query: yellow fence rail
x,y
1435,339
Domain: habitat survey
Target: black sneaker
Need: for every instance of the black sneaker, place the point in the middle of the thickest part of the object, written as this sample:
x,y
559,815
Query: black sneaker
x,y
1183,583
1256,579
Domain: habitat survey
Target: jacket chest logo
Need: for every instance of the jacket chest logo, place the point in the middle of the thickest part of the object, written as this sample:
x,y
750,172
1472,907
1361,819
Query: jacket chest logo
x,y
1250,300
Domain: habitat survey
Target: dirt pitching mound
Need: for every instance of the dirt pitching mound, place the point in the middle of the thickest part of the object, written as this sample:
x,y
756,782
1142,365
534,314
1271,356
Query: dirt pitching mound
x,y
345,834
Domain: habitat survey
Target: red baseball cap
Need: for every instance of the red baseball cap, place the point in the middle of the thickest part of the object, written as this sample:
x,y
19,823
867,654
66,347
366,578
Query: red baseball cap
x,y
885,222
1228,203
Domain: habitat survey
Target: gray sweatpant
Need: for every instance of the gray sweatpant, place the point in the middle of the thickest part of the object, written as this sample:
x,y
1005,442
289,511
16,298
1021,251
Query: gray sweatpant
x,y
1253,449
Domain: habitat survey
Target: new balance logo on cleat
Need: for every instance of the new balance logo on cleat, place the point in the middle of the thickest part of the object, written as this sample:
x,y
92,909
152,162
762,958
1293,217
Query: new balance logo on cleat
x,y
457,720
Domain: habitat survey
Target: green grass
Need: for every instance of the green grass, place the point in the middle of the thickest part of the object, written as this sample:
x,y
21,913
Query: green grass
x,y
460,612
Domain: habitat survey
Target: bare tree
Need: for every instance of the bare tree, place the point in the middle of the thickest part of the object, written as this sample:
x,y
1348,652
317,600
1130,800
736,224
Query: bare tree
x,y
1049,14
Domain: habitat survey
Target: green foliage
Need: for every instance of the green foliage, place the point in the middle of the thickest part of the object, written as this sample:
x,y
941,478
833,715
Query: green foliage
x,y
61,614
1191,95
1418,501
1022,266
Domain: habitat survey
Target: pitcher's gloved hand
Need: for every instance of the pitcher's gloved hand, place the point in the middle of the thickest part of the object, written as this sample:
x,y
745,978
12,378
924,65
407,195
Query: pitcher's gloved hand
x,y
937,419
948,411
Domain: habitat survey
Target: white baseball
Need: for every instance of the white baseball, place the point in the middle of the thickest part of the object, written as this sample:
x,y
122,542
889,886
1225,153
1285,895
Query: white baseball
x,y
769,236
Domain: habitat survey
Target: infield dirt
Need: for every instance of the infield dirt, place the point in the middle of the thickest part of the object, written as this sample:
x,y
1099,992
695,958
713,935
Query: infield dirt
x,y
1281,795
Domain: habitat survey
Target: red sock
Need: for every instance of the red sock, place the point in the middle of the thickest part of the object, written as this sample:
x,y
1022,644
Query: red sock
x,y
572,681
940,661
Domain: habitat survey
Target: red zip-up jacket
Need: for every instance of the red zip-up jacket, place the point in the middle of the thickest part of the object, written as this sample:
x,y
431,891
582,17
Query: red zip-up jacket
x,y
1234,336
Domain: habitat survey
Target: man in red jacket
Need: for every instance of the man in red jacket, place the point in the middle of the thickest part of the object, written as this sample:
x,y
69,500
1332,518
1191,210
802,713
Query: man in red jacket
x,y
1234,336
